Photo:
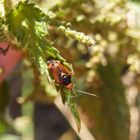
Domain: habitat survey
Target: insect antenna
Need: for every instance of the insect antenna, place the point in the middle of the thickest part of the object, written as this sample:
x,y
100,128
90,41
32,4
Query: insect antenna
x,y
87,93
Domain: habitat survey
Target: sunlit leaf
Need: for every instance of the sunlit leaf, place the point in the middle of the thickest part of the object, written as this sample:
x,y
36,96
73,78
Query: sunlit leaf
x,y
68,97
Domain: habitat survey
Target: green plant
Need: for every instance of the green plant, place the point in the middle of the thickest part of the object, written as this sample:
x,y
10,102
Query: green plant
x,y
101,42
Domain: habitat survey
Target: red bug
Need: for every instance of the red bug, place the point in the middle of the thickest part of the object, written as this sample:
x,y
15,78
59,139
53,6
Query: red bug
x,y
62,75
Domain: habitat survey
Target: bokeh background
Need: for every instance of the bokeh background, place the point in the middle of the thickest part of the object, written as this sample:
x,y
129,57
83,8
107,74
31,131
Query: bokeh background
x,y
110,69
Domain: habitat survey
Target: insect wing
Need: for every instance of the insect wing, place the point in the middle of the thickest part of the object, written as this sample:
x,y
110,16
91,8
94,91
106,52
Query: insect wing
x,y
56,74
64,69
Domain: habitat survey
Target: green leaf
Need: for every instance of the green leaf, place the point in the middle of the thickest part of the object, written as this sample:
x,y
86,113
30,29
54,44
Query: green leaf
x,y
68,97
41,65
63,94
22,21
28,24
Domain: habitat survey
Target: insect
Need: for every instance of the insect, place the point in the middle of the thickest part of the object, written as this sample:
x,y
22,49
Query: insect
x,y
62,75
4,51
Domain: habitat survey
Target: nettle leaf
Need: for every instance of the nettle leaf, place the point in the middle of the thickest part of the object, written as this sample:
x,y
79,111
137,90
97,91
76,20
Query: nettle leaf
x,y
68,97
29,25
42,65
40,29
39,59
16,24
22,18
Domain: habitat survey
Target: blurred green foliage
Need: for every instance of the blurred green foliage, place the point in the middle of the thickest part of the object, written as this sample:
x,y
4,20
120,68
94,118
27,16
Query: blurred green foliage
x,y
135,0
100,39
